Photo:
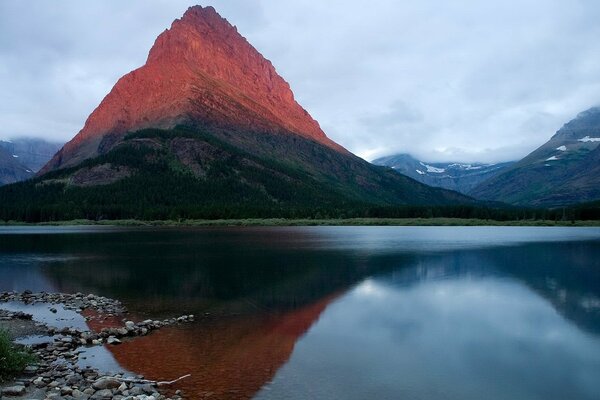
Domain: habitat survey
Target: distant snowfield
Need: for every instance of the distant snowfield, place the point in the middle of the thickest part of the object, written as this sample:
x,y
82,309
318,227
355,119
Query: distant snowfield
x,y
433,169
469,167
589,139
562,148
553,158
420,172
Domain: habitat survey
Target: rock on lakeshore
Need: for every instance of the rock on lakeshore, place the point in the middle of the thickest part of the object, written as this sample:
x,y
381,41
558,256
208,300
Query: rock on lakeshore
x,y
57,375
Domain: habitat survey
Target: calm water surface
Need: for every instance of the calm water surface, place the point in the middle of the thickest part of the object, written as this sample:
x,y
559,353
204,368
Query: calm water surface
x,y
339,312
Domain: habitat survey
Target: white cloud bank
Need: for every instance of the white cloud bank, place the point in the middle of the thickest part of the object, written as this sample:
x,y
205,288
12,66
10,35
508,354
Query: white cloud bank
x,y
464,80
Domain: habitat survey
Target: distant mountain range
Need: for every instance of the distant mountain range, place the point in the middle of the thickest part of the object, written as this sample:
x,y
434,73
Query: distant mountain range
x,y
456,176
11,170
207,128
21,158
31,151
562,172
565,171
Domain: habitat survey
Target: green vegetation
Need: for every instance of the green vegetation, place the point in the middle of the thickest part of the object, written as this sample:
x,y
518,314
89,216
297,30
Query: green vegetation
x,y
12,359
310,222
187,174
234,185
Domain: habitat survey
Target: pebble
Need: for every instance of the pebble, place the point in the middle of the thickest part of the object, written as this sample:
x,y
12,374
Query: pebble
x,y
113,340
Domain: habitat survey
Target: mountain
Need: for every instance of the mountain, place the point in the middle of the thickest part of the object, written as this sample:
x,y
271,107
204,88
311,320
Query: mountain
x,y
20,158
453,176
206,128
199,71
32,152
563,171
11,169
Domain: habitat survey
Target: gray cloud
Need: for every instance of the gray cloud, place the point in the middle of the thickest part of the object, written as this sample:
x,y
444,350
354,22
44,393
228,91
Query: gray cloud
x,y
463,80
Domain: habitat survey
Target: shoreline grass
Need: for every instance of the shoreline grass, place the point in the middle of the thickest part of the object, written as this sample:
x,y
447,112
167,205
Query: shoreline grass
x,y
12,359
309,222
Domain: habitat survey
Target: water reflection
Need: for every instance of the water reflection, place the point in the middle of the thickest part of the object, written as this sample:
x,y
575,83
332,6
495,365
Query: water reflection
x,y
463,313
465,338
228,358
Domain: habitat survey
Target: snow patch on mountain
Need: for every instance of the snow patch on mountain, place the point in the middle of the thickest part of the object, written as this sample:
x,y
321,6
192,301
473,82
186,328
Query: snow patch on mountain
x,y
433,169
469,167
589,139
553,158
562,148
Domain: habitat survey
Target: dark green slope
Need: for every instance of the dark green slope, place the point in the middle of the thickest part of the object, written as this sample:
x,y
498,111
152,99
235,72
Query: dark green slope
x,y
564,171
189,173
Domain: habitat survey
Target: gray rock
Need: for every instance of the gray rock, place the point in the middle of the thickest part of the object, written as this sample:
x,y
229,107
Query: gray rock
x,y
113,340
13,391
148,388
39,382
30,370
106,383
136,391
103,394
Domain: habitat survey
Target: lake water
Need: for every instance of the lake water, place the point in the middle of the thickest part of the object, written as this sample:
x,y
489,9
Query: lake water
x,y
339,312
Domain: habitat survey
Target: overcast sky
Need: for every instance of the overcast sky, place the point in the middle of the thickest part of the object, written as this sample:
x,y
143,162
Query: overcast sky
x,y
462,80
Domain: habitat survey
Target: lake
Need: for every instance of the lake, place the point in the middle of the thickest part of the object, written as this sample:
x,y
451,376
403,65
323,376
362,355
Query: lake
x,y
338,312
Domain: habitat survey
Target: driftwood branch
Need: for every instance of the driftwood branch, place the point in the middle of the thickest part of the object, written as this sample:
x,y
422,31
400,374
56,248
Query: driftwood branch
x,y
172,382
162,383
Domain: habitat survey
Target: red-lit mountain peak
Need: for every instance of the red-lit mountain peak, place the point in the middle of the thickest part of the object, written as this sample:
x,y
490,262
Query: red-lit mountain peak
x,y
200,71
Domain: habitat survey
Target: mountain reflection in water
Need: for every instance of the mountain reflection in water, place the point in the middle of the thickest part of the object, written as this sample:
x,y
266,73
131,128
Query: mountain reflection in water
x,y
229,358
348,312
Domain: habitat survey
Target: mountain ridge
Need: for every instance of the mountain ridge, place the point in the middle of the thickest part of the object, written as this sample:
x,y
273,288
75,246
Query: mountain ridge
x,y
461,177
11,169
33,152
563,171
207,129
189,174
201,69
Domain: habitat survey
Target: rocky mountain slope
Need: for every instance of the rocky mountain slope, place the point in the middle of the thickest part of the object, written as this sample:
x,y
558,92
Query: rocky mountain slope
x,y
563,171
32,152
11,169
207,128
200,71
460,177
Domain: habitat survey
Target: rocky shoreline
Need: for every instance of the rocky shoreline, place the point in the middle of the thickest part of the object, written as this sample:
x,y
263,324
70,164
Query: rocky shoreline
x,y
56,374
